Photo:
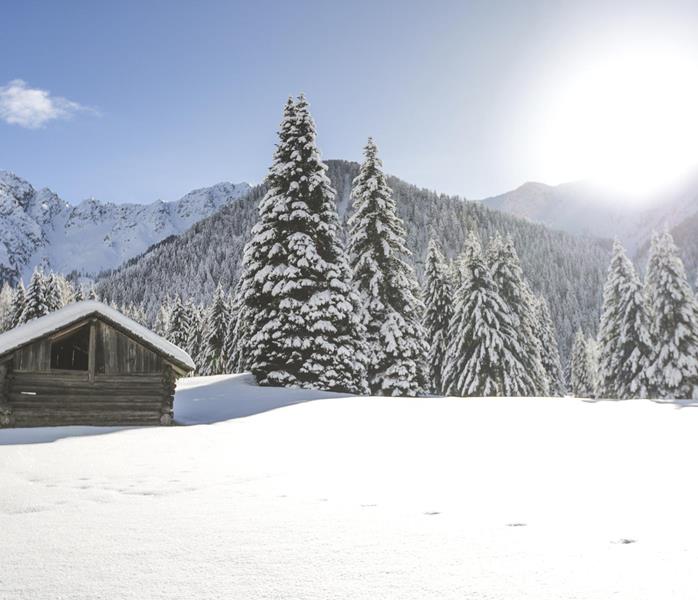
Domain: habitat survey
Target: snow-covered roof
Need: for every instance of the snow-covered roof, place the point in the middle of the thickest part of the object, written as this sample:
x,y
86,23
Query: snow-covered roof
x,y
76,311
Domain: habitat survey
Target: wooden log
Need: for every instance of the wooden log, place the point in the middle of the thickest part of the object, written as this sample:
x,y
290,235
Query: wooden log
x,y
50,379
39,390
6,412
93,421
97,414
92,351
57,375
112,404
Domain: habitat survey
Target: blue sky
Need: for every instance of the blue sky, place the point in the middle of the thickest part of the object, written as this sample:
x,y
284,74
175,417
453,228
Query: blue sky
x,y
152,99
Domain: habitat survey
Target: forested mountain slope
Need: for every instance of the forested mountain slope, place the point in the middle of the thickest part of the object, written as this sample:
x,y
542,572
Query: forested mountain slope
x,y
568,270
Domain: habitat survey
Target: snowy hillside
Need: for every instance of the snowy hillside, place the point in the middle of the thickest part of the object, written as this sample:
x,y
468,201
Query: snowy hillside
x,y
38,228
346,497
582,208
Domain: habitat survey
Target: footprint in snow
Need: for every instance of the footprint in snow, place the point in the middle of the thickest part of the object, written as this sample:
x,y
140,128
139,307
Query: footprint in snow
x,y
516,524
625,541
431,513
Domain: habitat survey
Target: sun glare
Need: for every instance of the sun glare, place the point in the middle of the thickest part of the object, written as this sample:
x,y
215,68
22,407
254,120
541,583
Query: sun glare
x,y
627,120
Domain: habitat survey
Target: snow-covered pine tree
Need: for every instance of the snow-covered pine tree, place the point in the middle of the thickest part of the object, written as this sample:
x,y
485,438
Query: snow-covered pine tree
x,y
438,301
36,303
304,316
214,335
162,319
179,324
19,302
194,333
484,356
93,294
53,294
593,364
673,312
231,308
504,265
550,357
6,309
581,369
66,289
135,312
625,346
387,285
459,267
239,320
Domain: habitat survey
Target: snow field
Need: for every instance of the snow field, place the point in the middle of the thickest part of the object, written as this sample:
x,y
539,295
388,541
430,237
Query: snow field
x,y
353,497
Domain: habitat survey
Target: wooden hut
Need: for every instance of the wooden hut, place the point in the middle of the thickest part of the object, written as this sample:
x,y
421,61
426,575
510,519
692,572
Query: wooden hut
x,y
87,364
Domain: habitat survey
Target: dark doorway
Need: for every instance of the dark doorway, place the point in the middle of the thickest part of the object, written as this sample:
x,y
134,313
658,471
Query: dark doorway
x,y
72,351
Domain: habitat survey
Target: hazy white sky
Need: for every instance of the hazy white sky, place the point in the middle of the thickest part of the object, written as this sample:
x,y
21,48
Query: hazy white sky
x,y
135,101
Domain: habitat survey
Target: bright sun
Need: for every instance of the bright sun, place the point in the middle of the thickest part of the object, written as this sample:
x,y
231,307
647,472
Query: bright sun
x,y
629,120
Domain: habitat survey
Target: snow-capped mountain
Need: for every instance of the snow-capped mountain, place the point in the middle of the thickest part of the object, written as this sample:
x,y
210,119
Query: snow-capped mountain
x,y
583,208
38,228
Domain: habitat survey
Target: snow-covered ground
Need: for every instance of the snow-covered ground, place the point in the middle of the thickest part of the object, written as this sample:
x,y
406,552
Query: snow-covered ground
x,y
271,494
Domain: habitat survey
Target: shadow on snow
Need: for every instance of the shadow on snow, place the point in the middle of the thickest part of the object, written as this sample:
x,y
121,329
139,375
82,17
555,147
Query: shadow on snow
x,y
198,401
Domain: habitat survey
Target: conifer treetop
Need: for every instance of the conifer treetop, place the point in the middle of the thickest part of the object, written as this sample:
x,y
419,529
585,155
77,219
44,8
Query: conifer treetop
x,y
300,312
485,357
673,312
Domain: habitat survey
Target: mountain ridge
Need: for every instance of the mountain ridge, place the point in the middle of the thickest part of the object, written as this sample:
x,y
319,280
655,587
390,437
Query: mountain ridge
x,y
38,228
581,207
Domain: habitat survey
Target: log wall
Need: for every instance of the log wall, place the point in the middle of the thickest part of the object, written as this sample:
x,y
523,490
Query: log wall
x,y
6,418
69,399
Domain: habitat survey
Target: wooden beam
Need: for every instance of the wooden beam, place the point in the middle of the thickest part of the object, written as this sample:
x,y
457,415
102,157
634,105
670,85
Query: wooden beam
x,y
92,354
65,332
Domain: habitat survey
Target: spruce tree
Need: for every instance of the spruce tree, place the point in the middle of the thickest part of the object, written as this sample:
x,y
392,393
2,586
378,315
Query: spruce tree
x,y
214,335
239,319
387,285
162,319
194,333
503,262
19,302
581,368
593,364
6,306
673,368
36,304
625,345
135,312
438,300
544,330
53,296
484,356
459,267
179,324
303,324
